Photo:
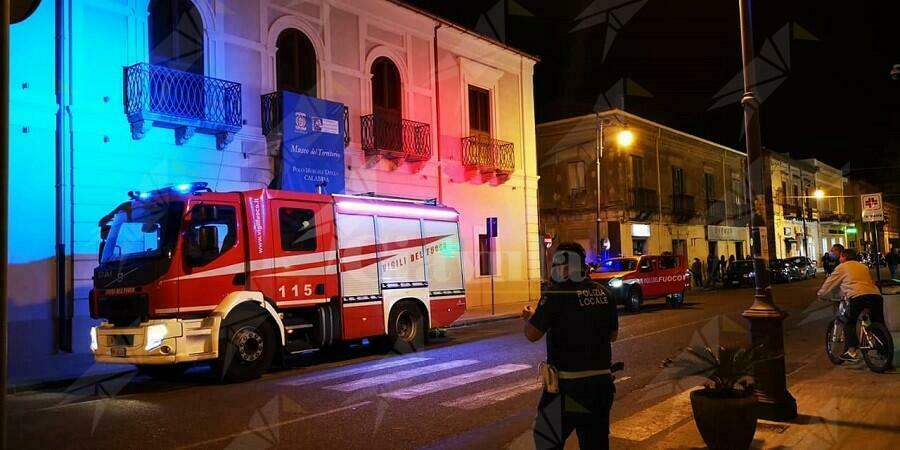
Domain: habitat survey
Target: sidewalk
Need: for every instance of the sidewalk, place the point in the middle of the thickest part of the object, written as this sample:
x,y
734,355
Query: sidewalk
x,y
838,407
479,314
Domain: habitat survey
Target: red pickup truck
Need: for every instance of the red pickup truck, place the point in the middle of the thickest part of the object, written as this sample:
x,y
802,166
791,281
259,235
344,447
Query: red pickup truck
x,y
632,280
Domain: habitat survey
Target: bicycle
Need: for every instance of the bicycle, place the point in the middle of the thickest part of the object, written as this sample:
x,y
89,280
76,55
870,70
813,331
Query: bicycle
x,y
875,341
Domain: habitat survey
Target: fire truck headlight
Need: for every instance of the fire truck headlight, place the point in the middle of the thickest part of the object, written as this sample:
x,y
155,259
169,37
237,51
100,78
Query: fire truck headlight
x,y
615,283
155,335
94,345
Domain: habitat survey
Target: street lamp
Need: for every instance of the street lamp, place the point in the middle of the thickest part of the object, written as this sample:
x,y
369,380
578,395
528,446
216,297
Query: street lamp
x,y
766,320
624,139
819,194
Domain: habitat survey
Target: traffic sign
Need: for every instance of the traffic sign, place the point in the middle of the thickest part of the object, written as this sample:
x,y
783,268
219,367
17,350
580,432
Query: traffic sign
x,y
548,240
872,208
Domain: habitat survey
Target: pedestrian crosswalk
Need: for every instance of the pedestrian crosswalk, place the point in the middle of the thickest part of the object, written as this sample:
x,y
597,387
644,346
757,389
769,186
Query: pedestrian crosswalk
x,y
397,379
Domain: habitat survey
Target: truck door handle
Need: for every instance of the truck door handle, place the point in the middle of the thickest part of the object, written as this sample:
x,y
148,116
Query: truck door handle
x,y
320,288
239,279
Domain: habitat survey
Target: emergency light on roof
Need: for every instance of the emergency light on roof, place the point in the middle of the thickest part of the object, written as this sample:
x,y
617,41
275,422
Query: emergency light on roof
x,y
181,188
396,210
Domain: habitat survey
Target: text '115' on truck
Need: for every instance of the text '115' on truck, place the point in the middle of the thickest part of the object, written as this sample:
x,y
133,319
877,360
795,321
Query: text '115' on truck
x,y
242,278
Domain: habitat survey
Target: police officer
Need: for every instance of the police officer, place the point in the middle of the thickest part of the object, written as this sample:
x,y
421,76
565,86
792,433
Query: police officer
x,y
581,322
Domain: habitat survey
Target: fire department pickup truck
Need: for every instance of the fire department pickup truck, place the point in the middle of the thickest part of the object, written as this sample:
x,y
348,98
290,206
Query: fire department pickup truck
x,y
632,280
243,278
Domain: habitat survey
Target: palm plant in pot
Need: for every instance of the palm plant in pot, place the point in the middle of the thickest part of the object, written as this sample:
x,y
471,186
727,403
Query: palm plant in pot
x,y
725,408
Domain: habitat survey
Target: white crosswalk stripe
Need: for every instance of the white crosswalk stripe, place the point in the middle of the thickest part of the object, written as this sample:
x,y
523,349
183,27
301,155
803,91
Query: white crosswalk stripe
x,y
328,376
401,375
486,398
454,381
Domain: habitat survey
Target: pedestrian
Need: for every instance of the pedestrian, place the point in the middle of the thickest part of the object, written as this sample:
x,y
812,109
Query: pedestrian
x,y
711,271
892,260
832,258
580,322
731,261
722,266
697,272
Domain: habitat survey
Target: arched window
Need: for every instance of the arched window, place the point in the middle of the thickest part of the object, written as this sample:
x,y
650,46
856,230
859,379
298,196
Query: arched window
x,y
295,63
386,91
176,35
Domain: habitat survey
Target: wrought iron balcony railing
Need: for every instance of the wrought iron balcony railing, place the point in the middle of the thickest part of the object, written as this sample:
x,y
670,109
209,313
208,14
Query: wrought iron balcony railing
x,y
642,199
578,197
272,115
683,207
395,138
489,155
834,216
715,212
187,102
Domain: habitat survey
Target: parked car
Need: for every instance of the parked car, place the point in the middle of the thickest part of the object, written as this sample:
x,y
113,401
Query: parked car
x,y
632,280
740,273
783,271
806,266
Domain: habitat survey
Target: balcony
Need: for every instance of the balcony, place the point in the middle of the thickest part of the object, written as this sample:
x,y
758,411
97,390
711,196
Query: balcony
x,y
683,208
790,210
715,212
395,138
186,102
642,203
489,156
577,197
834,216
272,116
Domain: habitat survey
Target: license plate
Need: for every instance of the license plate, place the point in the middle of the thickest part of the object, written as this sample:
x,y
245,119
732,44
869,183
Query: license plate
x,y
118,352
735,282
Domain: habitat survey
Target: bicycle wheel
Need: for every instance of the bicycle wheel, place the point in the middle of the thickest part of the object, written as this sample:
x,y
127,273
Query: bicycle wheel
x,y
879,351
834,342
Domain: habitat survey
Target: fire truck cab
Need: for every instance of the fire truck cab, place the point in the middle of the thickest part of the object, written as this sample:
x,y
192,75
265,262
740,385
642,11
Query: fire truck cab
x,y
242,278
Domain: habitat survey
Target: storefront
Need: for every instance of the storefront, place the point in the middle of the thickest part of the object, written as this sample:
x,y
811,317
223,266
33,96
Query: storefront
x,y
727,241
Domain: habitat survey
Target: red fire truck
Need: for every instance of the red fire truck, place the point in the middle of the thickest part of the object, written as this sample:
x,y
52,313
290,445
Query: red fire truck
x,y
242,278
632,280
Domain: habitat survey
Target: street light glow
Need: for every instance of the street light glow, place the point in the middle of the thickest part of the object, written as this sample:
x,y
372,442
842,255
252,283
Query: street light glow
x,y
625,138
819,194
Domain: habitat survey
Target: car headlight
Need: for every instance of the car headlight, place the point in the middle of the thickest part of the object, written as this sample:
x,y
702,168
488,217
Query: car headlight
x,y
155,335
94,345
615,283
750,275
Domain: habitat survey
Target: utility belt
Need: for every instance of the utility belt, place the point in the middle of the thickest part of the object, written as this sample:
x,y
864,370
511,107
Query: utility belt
x,y
550,376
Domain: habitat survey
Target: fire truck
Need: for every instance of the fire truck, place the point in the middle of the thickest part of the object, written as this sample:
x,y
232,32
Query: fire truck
x,y
633,280
241,279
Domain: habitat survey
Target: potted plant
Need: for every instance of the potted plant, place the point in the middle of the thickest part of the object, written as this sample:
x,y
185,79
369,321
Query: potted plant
x,y
725,408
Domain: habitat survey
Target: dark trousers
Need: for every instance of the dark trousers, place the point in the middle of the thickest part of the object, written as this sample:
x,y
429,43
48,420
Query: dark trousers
x,y
874,303
582,405
698,279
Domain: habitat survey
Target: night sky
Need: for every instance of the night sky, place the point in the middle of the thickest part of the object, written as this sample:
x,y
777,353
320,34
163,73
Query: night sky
x,y
828,93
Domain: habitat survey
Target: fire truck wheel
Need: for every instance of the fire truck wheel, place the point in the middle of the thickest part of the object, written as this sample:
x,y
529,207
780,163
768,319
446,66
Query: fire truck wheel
x,y
633,303
246,346
406,328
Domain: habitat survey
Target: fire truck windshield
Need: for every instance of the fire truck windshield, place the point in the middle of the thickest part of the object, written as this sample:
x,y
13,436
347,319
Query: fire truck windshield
x,y
617,265
143,231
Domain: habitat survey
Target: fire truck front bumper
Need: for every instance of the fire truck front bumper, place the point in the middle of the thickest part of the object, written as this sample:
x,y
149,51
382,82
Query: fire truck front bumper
x,y
168,341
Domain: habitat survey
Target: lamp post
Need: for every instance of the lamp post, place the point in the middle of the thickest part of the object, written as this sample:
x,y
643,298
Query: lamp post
x,y
624,139
766,320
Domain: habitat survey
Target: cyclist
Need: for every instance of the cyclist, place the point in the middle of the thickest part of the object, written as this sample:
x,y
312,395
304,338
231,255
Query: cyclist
x,y
852,280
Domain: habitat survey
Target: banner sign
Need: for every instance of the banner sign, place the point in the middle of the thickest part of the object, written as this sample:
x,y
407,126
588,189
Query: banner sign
x,y
872,208
312,146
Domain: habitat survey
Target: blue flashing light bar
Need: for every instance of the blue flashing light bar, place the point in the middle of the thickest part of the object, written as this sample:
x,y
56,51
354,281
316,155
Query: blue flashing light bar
x,y
181,188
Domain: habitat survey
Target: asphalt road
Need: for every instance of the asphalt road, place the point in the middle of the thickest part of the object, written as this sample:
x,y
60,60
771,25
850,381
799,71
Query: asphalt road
x,y
475,388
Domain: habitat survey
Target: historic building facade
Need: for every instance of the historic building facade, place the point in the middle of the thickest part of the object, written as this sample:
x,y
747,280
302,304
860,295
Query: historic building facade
x,y
665,191
433,111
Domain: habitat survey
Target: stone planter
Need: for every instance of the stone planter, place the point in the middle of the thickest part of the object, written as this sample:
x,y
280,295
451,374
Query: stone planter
x,y
724,423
